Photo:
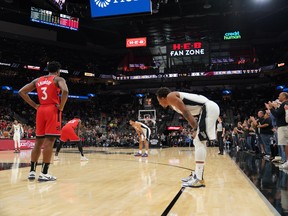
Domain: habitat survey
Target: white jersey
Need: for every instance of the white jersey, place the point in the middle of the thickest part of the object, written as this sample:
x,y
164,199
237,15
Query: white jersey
x,y
207,110
146,131
219,127
17,129
193,102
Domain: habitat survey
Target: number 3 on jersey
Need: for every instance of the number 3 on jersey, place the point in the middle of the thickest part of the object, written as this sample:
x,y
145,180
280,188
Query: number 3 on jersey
x,y
44,97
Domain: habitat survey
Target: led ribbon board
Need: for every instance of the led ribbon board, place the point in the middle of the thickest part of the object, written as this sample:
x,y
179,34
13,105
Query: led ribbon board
x,y
106,8
232,35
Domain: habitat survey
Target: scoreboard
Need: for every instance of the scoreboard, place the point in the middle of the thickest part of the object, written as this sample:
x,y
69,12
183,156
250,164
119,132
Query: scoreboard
x,y
55,19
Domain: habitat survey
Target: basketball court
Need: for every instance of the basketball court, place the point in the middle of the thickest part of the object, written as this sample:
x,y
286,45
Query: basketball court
x,y
114,182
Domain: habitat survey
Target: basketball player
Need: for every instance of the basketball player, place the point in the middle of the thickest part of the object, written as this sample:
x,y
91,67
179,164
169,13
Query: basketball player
x,y
189,105
48,116
69,133
144,133
17,130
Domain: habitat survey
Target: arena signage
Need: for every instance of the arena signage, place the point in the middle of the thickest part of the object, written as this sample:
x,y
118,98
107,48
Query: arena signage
x,y
64,71
136,42
232,35
174,128
105,8
187,49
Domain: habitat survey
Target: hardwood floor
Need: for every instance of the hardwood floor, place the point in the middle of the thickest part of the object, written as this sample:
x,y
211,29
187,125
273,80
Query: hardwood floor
x,y
114,182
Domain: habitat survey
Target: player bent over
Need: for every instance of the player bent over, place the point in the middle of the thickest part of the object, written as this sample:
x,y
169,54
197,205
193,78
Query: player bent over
x,y
190,105
144,133
68,133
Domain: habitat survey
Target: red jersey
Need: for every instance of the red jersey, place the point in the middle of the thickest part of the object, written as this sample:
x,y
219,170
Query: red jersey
x,y
73,123
48,92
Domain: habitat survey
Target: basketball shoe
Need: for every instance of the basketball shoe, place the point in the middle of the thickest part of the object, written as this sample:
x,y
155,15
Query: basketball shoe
x,y
46,177
83,158
31,175
138,154
144,155
189,177
194,183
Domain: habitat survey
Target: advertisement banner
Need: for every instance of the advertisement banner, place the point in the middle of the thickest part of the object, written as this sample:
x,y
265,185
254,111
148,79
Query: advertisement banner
x,y
8,144
136,42
186,49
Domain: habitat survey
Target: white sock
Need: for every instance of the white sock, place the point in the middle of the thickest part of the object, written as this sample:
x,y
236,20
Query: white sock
x,y
200,155
146,152
140,151
199,170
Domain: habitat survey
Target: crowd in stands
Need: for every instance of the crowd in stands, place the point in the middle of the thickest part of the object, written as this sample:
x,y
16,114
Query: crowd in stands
x,y
105,117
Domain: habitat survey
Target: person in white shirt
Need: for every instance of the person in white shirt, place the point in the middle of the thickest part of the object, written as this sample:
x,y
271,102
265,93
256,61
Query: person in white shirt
x,y
17,131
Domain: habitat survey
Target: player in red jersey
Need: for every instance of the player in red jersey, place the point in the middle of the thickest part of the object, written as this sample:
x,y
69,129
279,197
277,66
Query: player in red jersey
x,y
69,134
48,116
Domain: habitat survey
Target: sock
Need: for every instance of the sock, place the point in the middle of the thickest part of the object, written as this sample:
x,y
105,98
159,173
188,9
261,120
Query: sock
x,y
200,155
80,148
140,151
199,170
33,166
45,167
146,152
59,146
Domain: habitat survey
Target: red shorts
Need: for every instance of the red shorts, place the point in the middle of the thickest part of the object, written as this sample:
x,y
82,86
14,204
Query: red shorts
x,y
68,133
48,121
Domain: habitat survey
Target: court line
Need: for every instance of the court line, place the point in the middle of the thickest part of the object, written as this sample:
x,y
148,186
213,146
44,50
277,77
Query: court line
x,y
172,203
128,153
180,167
175,199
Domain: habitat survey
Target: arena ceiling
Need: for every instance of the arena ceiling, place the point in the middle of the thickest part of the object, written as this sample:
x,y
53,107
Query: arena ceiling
x,y
171,21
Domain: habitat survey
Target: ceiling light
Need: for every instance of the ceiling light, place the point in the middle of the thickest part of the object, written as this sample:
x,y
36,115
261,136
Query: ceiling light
x,y
207,5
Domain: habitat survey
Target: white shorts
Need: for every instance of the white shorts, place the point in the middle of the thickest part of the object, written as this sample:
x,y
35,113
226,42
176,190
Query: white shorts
x,y
212,113
16,137
145,134
282,135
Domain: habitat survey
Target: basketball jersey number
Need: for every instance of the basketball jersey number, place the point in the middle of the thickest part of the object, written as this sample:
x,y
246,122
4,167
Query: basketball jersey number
x,y
44,97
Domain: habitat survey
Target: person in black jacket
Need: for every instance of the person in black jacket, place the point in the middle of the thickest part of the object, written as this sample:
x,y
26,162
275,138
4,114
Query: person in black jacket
x,y
279,114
